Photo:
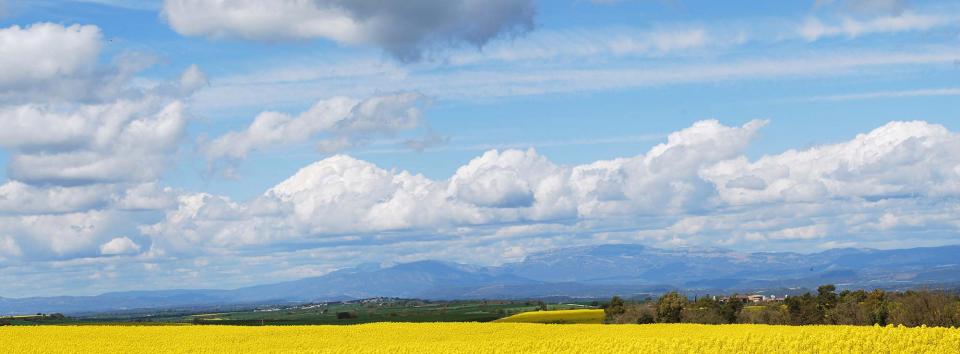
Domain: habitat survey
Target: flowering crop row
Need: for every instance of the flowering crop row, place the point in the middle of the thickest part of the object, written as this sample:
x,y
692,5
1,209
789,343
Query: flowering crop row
x,y
478,338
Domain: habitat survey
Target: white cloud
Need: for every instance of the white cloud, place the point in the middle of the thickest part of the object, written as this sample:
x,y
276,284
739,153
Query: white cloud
x,y
46,51
501,180
121,141
119,246
814,29
68,122
403,29
337,188
60,236
334,123
892,187
899,159
86,142
342,195
665,179
146,196
19,198
53,63
694,189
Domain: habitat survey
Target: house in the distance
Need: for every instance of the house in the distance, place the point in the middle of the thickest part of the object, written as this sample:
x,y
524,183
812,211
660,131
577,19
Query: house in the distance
x,y
755,298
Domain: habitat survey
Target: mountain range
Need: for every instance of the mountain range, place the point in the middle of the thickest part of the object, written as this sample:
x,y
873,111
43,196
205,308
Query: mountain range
x,y
577,272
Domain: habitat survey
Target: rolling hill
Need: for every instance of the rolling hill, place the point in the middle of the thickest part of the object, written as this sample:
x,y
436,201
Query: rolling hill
x,y
586,272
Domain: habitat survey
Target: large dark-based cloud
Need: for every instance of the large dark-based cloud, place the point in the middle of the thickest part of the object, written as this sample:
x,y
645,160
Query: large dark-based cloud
x,y
405,29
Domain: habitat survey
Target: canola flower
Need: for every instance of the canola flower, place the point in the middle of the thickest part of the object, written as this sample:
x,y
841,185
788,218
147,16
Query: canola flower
x,y
556,316
478,338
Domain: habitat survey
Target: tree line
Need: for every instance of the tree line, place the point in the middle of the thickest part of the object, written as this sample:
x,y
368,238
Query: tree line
x,y
826,306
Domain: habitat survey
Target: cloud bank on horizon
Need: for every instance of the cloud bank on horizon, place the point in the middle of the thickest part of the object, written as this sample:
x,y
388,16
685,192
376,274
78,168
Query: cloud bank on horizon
x,y
439,130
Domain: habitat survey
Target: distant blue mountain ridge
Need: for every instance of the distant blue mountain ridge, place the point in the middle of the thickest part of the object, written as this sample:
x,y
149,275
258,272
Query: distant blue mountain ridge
x,y
576,272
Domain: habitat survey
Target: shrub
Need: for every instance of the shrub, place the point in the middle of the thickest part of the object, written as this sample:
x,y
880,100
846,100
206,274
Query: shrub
x,y
670,307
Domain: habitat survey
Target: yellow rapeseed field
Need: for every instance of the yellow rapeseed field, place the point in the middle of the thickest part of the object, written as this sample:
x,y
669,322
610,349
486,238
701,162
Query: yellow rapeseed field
x,y
478,338
556,316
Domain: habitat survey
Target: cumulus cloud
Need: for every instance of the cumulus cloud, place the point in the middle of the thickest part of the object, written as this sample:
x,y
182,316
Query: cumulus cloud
x,y
899,159
62,236
341,194
695,188
145,196
55,63
119,246
120,141
404,29
501,180
334,123
20,198
47,222
111,131
894,186
86,143
46,51
666,177
68,121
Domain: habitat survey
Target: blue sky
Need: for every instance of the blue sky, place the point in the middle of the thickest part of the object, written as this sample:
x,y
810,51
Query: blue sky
x,y
197,144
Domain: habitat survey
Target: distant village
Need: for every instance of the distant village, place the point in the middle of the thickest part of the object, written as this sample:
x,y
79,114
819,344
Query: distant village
x,y
750,298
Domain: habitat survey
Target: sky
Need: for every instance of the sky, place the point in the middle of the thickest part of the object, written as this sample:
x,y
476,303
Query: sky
x,y
218,144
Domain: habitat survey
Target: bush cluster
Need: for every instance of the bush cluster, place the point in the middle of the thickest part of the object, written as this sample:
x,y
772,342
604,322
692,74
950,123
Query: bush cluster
x,y
827,306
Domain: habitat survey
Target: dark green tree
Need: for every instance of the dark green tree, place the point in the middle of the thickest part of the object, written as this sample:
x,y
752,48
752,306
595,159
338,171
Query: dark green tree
x,y
670,307
827,299
849,309
876,305
803,310
730,309
614,309
703,310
